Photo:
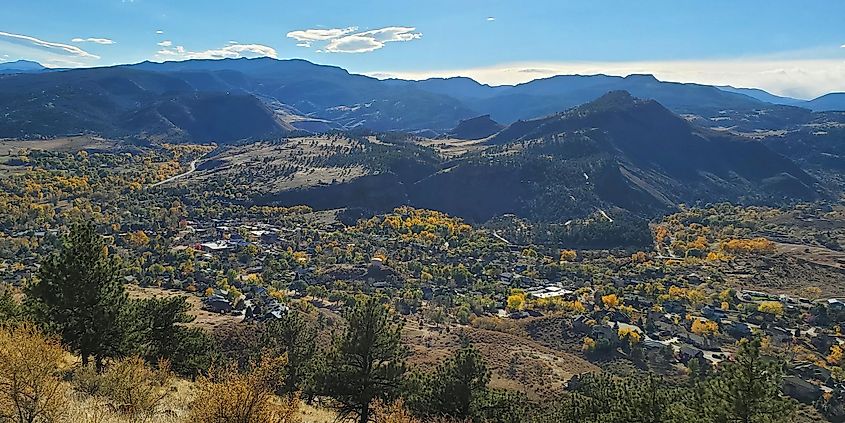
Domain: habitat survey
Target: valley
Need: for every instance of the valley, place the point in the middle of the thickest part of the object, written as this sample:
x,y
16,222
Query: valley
x,y
560,239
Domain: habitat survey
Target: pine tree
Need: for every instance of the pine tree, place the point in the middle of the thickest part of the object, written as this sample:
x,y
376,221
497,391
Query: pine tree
x,y
456,389
368,361
746,390
78,294
158,332
293,336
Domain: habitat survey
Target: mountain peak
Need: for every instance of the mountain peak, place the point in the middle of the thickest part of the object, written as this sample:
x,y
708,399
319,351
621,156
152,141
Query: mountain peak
x,y
21,66
612,100
641,77
476,128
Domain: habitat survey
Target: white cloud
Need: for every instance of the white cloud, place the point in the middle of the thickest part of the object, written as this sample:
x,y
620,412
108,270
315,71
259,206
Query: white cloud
x,y
159,32
800,78
491,18
165,43
231,51
93,40
43,46
308,35
347,40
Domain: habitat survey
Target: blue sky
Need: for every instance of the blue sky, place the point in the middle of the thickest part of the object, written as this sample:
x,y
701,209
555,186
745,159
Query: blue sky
x,y
790,47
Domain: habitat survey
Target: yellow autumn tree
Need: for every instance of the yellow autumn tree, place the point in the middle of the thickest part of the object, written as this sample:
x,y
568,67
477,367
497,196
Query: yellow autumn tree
x,y
31,386
704,327
836,355
516,301
629,335
639,257
138,239
568,256
774,308
610,301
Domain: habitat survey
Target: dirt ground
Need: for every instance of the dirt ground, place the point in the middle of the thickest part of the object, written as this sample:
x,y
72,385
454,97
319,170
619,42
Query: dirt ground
x,y
67,144
203,319
516,362
818,255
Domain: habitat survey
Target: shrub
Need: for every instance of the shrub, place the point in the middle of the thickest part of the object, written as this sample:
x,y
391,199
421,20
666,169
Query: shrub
x,y
235,397
129,386
31,388
394,412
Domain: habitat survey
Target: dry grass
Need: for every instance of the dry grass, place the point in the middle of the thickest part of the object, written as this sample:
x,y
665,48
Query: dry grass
x,y
516,362
174,408
203,319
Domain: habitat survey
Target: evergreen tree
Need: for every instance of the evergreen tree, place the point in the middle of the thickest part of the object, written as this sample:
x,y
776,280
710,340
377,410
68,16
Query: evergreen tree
x,y
746,390
455,390
293,336
367,362
78,294
10,309
158,333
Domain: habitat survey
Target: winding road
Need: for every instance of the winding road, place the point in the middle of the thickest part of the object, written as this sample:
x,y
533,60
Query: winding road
x,y
193,167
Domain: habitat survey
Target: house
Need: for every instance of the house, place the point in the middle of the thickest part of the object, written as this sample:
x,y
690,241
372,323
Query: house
x,y
653,344
217,304
702,342
580,325
674,306
801,390
736,329
713,313
809,370
215,246
823,341
779,335
835,304
688,353
607,333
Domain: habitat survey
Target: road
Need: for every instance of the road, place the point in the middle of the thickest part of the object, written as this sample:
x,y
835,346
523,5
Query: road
x,y
193,167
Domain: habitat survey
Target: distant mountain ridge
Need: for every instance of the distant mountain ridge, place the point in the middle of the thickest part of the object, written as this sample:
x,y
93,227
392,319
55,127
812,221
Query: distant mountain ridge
x,y
305,96
617,155
21,66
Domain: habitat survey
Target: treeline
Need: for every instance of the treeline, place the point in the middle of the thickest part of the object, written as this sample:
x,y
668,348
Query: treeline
x,y
128,348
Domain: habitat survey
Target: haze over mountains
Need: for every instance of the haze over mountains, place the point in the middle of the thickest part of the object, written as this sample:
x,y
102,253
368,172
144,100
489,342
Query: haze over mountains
x,y
277,97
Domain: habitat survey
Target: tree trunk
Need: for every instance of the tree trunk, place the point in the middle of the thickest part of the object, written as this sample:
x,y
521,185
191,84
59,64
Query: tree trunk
x,y
98,361
365,413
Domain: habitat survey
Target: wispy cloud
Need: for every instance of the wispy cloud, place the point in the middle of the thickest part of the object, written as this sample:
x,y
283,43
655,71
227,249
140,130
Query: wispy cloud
x,y
800,78
231,51
491,18
165,43
349,40
47,52
49,46
159,32
93,40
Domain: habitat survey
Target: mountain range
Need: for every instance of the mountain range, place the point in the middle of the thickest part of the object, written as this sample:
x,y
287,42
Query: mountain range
x,y
617,155
266,97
